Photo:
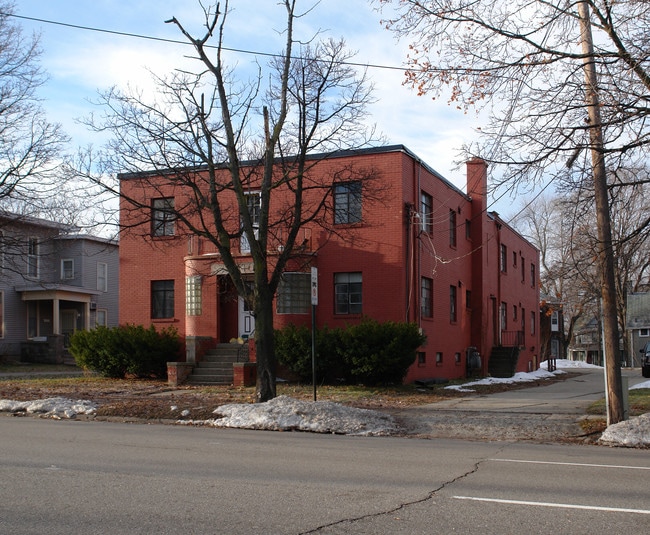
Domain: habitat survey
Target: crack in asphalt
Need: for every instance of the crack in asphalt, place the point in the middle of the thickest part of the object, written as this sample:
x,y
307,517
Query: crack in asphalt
x,y
402,506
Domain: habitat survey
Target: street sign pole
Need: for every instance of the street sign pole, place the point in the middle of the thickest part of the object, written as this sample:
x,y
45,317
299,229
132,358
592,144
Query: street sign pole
x,y
314,302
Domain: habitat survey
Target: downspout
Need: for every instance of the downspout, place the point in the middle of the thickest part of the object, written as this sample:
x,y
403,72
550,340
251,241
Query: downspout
x,y
499,277
418,268
407,260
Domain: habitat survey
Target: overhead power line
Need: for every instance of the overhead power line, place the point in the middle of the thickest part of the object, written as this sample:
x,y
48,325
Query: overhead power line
x,y
180,42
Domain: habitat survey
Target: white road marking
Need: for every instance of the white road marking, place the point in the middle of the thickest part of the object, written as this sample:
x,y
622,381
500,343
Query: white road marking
x,y
556,505
572,464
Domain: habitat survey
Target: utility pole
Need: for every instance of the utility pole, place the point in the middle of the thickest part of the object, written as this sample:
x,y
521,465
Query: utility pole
x,y
614,386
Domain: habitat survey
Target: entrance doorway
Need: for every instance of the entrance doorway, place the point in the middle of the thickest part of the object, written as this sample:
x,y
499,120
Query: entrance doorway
x,y
246,319
68,325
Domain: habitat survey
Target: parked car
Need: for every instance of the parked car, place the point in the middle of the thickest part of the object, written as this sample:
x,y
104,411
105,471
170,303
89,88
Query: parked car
x,y
645,360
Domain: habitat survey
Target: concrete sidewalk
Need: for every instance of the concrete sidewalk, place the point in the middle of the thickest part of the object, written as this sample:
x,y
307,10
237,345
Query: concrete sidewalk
x,y
571,396
547,413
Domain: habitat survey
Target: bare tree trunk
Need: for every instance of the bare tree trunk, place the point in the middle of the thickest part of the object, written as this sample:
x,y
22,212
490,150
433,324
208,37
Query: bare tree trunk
x,y
265,346
615,410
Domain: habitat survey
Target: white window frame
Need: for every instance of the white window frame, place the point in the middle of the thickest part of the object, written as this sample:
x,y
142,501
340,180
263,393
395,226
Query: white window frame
x,y
555,321
426,212
102,276
67,273
254,208
644,333
98,313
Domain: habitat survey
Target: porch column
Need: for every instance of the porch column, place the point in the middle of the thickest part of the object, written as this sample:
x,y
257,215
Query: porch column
x,y
87,316
56,324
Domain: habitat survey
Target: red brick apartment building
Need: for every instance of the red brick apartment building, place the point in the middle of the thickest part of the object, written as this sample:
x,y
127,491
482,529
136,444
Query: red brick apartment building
x,y
428,253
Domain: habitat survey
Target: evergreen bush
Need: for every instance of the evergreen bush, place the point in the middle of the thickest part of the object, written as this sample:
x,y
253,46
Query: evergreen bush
x,y
369,353
126,350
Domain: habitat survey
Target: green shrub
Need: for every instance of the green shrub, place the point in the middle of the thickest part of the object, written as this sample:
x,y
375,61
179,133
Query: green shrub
x,y
369,353
126,350
293,350
381,353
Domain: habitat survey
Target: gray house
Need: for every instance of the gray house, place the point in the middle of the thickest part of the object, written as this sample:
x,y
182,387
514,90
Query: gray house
x,y
52,283
638,323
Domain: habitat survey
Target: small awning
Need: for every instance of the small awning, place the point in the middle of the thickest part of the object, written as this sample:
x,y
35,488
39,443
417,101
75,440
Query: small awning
x,y
56,292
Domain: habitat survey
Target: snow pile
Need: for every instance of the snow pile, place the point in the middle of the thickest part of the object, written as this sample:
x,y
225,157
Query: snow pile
x,y
632,433
288,414
520,377
564,363
645,384
50,407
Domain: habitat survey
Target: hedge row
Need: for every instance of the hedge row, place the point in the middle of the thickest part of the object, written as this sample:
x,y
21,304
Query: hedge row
x,y
126,350
369,353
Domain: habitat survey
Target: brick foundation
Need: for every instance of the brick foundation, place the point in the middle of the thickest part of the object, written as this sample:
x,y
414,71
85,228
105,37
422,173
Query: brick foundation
x,y
178,372
244,373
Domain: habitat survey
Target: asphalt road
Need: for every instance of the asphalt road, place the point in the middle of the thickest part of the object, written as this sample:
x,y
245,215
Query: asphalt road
x,y
66,477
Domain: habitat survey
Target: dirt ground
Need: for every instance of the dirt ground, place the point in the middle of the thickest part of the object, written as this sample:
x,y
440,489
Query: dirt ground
x,y
156,402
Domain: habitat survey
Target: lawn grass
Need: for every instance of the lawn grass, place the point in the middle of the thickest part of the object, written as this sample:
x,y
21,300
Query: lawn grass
x,y
639,400
28,367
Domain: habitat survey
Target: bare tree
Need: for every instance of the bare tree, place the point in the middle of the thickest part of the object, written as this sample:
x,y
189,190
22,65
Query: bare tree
x,y
563,229
217,138
571,83
30,146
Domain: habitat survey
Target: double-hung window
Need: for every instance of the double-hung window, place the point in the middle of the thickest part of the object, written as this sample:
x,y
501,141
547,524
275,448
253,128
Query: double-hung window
x,y
426,212
347,290
162,299
452,228
347,203
102,276
453,304
254,204
426,297
67,269
163,220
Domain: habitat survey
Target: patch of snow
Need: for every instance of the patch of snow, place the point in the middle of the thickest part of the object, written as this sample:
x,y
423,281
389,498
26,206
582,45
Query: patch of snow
x,y
645,384
520,377
632,433
564,363
287,414
50,407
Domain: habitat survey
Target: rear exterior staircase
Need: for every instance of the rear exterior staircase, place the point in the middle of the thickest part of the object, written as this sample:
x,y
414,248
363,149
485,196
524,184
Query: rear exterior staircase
x,y
216,366
503,361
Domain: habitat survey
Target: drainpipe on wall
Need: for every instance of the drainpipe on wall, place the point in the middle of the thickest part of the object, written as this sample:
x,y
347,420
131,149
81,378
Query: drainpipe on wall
x,y
407,260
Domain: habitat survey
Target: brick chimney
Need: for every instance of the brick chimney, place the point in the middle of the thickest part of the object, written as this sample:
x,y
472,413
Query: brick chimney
x,y
477,183
477,190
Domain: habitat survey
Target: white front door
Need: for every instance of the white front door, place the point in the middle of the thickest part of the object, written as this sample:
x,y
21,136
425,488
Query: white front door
x,y
246,319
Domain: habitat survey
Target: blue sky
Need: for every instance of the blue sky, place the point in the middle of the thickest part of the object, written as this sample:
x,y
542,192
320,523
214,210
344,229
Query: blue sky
x,y
81,62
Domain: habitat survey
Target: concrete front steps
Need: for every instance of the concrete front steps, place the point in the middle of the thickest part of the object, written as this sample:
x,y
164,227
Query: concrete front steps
x,y
216,366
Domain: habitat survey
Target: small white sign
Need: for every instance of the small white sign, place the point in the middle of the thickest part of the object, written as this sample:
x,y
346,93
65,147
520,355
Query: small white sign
x,y
314,286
